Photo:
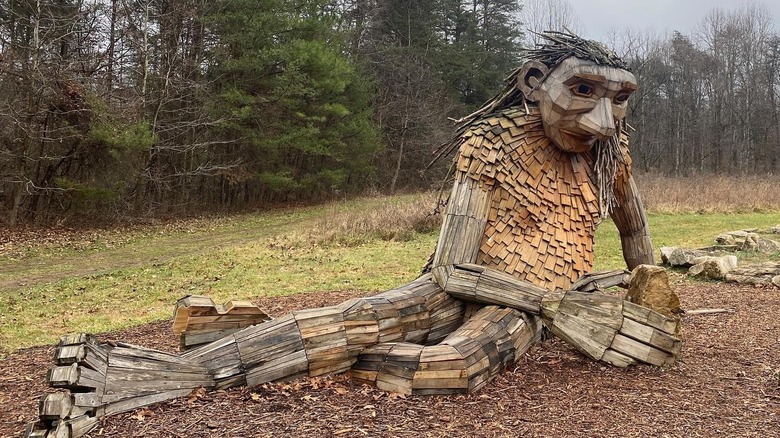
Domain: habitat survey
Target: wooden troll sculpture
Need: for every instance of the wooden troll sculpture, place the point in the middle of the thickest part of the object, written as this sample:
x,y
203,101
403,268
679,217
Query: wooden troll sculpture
x,y
537,169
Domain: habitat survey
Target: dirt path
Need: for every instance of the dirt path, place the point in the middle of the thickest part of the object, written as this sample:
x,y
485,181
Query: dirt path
x,y
728,384
16,274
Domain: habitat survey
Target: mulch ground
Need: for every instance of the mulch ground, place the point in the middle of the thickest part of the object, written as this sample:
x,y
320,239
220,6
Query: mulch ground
x,y
728,384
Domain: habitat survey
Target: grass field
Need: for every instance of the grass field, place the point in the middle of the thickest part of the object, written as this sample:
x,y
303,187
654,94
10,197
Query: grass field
x,y
99,281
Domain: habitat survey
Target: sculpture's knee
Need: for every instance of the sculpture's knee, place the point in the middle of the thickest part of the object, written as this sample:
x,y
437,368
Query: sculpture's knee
x,y
418,312
466,360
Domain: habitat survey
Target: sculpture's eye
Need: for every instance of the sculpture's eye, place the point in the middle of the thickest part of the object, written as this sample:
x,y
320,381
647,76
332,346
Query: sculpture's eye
x,y
621,98
583,90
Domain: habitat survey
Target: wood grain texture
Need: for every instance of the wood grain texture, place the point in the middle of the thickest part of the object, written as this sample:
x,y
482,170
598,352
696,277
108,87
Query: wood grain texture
x,y
199,321
536,205
464,361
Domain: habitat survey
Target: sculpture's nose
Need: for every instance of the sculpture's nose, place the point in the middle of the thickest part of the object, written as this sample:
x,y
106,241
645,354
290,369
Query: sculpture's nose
x,y
599,121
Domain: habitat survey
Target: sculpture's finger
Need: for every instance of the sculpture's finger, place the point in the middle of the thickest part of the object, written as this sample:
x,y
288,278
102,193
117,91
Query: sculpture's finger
x,y
601,280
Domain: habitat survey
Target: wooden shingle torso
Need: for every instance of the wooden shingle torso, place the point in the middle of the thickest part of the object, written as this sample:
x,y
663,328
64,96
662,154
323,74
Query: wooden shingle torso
x,y
544,204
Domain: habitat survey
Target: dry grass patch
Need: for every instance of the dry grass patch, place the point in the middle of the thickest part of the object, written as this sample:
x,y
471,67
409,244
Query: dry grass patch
x,y
710,193
388,218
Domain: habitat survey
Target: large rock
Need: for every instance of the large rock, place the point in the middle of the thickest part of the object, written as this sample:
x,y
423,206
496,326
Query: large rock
x,y
733,237
649,287
748,240
765,245
714,268
674,256
767,273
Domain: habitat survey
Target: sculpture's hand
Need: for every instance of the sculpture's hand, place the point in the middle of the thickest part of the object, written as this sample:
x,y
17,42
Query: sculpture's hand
x,y
599,281
608,328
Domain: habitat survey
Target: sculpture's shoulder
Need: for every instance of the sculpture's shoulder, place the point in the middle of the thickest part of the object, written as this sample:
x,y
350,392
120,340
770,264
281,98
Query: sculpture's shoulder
x,y
487,140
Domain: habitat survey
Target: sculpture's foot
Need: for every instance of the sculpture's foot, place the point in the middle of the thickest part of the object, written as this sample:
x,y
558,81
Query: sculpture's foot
x,y
104,379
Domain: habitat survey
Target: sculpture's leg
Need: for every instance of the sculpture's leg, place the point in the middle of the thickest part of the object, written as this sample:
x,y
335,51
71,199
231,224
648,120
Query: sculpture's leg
x,y
106,379
327,340
463,362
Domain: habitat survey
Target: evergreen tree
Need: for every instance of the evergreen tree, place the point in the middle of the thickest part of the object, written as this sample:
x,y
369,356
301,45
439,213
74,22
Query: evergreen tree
x,y
295,106
484,46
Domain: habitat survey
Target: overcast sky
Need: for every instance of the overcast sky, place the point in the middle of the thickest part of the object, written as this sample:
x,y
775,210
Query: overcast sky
x,y
599,17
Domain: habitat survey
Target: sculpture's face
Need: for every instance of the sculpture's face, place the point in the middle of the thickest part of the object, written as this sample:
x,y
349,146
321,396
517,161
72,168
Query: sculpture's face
x,y
580,101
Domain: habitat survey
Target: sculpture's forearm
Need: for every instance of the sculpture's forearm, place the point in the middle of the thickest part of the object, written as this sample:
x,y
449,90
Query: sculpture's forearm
x,y
477,283
630,218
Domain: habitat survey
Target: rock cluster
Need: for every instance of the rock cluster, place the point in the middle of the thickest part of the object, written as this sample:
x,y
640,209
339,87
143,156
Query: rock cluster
x,y
715,263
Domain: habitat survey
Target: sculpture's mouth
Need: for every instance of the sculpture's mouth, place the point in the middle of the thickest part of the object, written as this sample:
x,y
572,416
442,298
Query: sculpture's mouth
x,y
578,141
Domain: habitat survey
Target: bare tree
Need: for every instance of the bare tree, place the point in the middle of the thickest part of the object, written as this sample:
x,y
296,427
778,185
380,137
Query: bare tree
x,y
540,15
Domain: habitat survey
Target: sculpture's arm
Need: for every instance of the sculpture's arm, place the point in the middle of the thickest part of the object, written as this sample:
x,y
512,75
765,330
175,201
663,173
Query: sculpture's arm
x,y
461,234
602,326
631,221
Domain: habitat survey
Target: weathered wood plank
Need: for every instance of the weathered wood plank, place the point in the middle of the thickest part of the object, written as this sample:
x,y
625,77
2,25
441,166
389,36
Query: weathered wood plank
x,y
639,351
614,358
145,400
55,406
652,336
279,367
650,317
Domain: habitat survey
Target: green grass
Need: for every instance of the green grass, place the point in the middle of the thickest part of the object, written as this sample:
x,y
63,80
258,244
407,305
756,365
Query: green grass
x,y
686,230
266,254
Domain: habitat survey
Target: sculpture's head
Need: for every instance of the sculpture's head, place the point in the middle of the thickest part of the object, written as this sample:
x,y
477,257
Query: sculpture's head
x,y
581,88
580,101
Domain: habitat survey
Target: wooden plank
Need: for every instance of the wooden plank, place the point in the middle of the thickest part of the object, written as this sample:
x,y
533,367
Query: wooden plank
x,y
652,336
641,352
391,383
650,317
333,367
601,309
55,406
87,399
81,425
363,375
190,340
279,340
421,382
146,400
74,339
63,377
280,367
215,350
439,391
36,429
146,353
119,360
590,339
614,358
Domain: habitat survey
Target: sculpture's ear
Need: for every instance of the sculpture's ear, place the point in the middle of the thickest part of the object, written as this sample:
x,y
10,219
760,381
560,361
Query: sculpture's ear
x,y
531,74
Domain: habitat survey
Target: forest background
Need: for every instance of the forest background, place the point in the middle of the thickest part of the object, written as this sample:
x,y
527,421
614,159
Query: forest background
x,y
113,109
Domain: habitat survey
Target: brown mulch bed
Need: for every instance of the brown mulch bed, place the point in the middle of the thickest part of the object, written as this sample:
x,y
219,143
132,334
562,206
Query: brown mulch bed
x,y
728,384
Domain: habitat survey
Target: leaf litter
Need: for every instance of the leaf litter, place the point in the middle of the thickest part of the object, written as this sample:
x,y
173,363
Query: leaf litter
x,y
727,384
